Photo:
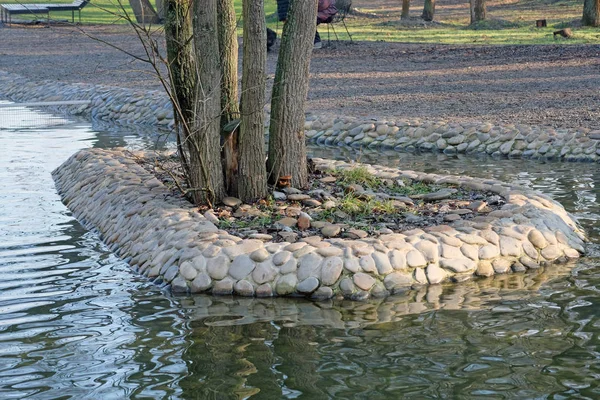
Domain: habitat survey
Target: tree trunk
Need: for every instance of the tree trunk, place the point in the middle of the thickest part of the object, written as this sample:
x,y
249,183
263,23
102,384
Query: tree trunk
x,y
405,9
144,12
160,9
228,48
252,182
478,10
428,10
591,13
182,66
287,147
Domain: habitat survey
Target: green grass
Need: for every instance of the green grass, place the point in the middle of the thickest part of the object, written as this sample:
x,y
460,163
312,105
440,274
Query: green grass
x,y
511,22
358,175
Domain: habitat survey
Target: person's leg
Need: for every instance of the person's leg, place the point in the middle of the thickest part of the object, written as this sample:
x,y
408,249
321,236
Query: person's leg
x,y
317,42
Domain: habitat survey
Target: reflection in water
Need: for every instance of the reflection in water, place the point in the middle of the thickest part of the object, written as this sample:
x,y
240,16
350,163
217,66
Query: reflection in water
x,y
76,323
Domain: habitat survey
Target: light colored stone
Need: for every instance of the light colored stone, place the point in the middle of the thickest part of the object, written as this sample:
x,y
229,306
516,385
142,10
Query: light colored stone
x,y
263,273
281,257
489,252
501,265
398,260
458,265
217,267
363,281
188,271
264,290
484,268
420,276
415,259
259,255
330,231
382,263
331,270
309,265
451,251
322,293
201,283
347,287
510,247
223,287
537,239
367,264
244,288
308,285
435,274
241,267
331,251
530,250
397,280
429,250
551,252
245,247
470,251
286,284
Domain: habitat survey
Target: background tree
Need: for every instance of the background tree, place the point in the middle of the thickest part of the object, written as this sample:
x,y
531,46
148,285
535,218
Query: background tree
x,y
405,9
144,12
478,10
591,13
287,147
428,10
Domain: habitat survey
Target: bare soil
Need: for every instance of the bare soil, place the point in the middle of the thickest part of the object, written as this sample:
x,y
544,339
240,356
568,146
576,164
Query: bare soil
x,y
556,85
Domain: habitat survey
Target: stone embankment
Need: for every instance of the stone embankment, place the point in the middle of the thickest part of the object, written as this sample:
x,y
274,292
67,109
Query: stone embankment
x,y
129,106
167,239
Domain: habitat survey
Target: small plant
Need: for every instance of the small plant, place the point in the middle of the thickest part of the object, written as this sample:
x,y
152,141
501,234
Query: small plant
x,y
412,188
362,208
359,175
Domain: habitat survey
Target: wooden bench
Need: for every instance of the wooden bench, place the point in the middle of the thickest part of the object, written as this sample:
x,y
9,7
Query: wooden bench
x,y
7,10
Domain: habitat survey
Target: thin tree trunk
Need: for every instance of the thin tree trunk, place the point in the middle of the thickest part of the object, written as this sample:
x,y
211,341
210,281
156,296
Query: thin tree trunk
x,y
160,9
144,12
478,10
591,13
228,47
287,147
206,171
182,71
405,9
428,10
252,182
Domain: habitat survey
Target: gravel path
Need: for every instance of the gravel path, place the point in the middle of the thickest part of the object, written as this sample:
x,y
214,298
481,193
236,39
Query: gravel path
x,y
556,85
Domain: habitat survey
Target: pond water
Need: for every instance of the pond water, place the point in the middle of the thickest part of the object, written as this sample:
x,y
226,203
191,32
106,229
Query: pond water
x,y
76,323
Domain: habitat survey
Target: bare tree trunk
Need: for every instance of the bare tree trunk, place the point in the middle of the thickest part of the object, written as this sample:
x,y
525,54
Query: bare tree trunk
x,y
144,12
428,10
228,47
182,71
252,183
405,9
287,147
591,13
205,161
160,9
478,10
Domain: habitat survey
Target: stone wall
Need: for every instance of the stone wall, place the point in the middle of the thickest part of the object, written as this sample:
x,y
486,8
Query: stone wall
x,y
166,239
129,106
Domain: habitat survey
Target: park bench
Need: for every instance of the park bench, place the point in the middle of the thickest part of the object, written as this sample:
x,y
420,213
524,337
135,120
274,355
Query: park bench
x,y
7,10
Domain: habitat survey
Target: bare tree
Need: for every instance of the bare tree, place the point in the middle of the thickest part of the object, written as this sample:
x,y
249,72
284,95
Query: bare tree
x,y
287,147
478,10
591,13
144,12
428,10
405,9
252,173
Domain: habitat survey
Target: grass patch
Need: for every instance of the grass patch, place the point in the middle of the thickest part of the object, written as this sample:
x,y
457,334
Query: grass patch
x,y
410,189
358,175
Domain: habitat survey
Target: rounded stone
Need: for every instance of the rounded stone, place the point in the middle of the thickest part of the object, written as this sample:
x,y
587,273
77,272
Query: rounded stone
x,y
484,268
537,239
347,287
188,271
367,264
259,255
488,252
331,270
363,281
470,251
435,274
415,259
241,267
223,287
264,290
244,288
352,264
290,266
331,251
308,285
330,230
281,257
179,285
501,265
398,260
551,252
286,284
199,263
171,273
322,293
397,280
201,283
458,265
309,265
451,251
420,276
263,273
530,250
510,247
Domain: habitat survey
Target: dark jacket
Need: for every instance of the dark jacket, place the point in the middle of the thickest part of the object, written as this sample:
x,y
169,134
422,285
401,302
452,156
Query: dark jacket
x,y
326,10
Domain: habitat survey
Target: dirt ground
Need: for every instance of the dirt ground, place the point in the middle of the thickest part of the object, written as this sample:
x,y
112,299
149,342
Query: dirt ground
x,y
557,85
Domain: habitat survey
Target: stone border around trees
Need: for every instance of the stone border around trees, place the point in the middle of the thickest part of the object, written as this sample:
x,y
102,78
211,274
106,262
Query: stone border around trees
x,y
168,240
127,106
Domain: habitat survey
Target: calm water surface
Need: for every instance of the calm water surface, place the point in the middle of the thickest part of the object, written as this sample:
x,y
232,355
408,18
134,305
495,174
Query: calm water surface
x,y
76,323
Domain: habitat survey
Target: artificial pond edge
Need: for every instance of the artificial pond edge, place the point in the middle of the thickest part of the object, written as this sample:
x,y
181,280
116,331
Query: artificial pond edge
x,y
168,240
